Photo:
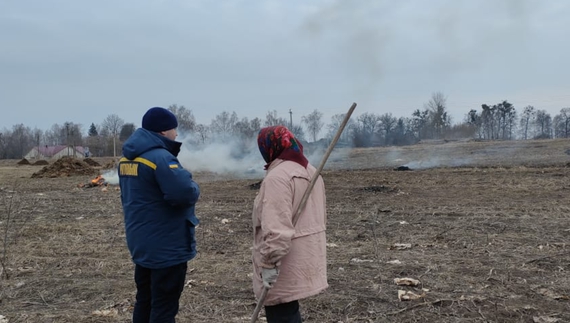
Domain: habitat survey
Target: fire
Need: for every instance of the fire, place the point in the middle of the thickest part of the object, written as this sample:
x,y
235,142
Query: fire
x,y
98,181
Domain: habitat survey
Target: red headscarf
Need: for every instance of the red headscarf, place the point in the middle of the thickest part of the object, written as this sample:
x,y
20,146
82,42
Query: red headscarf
x,y
278,142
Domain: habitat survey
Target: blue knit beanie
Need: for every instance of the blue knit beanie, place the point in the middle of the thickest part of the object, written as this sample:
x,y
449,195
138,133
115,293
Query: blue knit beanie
x,y
159,119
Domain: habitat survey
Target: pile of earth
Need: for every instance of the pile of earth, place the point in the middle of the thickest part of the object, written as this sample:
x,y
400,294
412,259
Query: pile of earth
x,y
91,162
65,167
41,162
110,165
24,161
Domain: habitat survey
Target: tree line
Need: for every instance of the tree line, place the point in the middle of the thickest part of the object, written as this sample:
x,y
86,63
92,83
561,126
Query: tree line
x,y
499,121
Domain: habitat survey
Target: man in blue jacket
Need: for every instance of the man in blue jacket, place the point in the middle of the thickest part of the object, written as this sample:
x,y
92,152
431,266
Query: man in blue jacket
x,y
158,197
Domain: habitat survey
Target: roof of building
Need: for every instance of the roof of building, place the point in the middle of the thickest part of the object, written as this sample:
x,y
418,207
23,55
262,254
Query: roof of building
x,y
53,150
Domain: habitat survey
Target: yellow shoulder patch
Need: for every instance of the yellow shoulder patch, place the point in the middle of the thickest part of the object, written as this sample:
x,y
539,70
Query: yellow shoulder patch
x,y
138,160
129,169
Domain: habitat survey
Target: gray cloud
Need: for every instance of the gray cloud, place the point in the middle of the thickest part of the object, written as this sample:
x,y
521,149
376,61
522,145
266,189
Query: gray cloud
x,y
70,60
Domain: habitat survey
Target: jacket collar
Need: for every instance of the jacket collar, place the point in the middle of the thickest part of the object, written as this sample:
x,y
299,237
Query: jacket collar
x,y
274,164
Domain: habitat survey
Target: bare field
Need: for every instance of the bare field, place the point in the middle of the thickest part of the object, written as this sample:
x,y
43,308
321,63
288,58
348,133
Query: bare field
x,y
482,226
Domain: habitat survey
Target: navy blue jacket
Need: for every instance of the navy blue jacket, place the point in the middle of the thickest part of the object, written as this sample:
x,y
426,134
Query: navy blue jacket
x,y
158,197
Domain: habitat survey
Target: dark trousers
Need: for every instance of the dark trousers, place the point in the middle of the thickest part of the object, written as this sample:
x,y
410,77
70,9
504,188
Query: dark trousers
x,y
283,313
158,293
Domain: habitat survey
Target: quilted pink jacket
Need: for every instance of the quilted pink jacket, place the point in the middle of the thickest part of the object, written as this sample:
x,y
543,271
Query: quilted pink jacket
x,y
298,251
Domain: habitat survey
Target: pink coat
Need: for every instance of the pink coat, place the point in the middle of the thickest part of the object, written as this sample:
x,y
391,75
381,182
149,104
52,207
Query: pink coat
x,y
298,251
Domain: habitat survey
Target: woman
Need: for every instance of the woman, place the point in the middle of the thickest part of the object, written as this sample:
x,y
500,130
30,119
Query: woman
x,y
289,254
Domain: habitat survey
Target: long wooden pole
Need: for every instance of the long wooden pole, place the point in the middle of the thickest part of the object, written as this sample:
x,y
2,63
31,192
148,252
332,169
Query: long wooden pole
x,y
306,197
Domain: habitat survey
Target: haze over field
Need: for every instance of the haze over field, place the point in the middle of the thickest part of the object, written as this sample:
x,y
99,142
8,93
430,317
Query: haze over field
x,y
78,61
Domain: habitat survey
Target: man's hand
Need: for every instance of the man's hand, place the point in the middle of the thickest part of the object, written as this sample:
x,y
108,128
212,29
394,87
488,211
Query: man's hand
x,y
269,276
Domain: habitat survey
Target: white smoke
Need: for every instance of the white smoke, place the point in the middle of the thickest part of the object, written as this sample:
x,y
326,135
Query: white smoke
x,y
227,156
237,157
111,177
232,156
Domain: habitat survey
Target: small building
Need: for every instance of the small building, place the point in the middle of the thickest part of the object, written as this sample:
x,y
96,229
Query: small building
x,y
55,152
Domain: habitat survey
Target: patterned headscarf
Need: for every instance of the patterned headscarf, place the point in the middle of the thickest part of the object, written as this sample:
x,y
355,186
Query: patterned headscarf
x,y
278,142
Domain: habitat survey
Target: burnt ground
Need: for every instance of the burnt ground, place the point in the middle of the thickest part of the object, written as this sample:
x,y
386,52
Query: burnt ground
x,y
486,239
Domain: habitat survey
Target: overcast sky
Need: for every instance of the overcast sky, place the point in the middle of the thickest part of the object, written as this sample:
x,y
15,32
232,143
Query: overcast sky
x,y
79,61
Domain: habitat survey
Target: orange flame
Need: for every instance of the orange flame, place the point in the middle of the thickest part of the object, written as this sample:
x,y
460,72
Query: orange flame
x,y
99,180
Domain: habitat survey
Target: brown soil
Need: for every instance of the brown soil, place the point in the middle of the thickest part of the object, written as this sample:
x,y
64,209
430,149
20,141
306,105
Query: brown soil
x,y
64,167
41,162
486,240
23,161
91,162
110,164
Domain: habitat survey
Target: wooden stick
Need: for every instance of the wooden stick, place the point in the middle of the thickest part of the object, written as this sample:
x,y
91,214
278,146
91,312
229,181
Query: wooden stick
x,y
306,197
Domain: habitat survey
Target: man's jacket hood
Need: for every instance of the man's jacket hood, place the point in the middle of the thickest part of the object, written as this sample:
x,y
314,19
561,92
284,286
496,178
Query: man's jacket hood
x,y
143,140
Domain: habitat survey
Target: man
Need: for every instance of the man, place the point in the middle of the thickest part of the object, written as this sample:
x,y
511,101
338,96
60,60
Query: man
x,y
158,197
289,253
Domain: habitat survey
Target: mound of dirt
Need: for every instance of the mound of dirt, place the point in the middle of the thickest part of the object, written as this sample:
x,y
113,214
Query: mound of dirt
x,y
110,165
91,162
41,162
24,161
65,167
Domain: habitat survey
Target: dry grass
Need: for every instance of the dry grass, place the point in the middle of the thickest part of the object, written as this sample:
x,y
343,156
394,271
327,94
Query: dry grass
x,y
488,239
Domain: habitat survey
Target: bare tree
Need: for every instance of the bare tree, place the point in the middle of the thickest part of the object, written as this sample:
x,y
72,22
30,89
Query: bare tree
x,y
366,129
488,121
113,124
126,131
247,129
473,120
224,124
202,132
543,125
439,119
505,115
528,115
563,123
3,152
404,132
55,135
387,127
420,120
271,120
255,123
336,122
37,136
314,123
185,117
21,140
72,134
298,132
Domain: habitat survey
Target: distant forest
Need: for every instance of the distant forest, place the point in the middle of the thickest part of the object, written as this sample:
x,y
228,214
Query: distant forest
x,y
499,121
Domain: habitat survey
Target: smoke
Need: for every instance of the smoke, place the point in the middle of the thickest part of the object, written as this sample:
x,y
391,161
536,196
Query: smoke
x,y
417,157
435,162
236,157
230,156
359,40
377,40
111,177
